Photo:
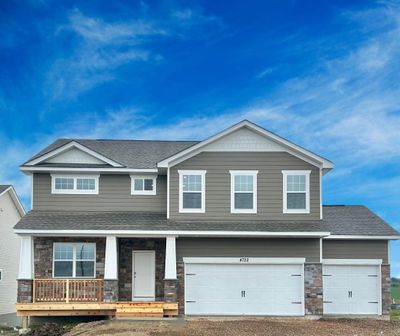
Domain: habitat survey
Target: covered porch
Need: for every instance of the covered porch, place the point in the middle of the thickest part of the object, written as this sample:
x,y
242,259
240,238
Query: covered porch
x,y
108,276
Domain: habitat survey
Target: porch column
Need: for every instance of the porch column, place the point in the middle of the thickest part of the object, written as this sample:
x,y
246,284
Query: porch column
x,y
170,279
110,293
25,273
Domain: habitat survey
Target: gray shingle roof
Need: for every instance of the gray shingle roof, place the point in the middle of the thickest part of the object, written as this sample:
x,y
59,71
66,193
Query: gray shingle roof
x,y
338,220
139,154
4,187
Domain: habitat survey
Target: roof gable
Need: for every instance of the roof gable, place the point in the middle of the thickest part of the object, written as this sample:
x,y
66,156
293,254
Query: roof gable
x,y
10,189
246,136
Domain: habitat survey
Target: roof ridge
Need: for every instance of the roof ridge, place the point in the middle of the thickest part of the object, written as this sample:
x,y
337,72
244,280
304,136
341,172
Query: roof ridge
x,y
83,139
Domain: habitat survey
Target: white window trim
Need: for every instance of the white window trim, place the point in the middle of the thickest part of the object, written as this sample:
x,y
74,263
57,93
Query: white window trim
x,y
307,173
75,191
203,190
244,172
144,192
74,260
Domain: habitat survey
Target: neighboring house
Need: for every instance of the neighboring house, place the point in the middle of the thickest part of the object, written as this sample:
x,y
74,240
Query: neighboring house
x,y
11,211
232,225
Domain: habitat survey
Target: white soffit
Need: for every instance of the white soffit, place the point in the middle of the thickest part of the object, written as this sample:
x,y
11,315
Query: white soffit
x,y
74,155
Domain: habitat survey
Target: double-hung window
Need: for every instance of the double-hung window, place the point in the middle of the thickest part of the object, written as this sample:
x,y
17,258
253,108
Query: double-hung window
x,y
72,184
143,185
244,191
74,260
192,191
296,191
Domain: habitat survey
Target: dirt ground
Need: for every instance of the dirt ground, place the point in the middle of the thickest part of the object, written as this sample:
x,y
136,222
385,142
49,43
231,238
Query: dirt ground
x,y
270,327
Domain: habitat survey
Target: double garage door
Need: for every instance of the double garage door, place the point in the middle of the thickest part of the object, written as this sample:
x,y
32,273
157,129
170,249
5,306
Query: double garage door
x,y
244,288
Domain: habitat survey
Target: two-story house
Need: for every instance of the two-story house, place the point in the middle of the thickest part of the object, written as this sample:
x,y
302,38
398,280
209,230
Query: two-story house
x,y
232,225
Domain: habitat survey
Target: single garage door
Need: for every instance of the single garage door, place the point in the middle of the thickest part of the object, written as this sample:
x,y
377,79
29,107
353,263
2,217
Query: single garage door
x,y
249,288
352,289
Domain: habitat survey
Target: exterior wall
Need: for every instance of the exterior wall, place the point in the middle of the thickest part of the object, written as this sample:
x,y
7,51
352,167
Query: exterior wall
x,y
9,254
248,247
126,246
269,185
43,254
355,249
114,195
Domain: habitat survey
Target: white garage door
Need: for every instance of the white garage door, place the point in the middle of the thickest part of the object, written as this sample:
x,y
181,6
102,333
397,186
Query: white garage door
x,y
244,289
352,289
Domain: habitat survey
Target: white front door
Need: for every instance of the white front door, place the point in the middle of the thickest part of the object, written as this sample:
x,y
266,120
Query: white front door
x,y
143,275
248,289
351,289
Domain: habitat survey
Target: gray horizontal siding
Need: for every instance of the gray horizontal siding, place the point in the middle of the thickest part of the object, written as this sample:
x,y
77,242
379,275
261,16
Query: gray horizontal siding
x,y
269,181
114,195
355,249
248,247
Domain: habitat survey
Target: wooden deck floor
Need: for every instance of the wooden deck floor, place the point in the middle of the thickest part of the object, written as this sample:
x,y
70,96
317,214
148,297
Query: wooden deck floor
x,y
117,309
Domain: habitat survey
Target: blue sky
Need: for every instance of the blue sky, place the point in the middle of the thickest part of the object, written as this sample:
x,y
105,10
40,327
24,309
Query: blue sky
x,y
322,74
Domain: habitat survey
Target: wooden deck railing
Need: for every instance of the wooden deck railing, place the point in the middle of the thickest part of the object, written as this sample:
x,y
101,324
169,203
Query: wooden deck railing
x,y
67,290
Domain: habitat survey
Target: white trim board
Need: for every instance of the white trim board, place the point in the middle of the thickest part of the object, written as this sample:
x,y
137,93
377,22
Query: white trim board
x,y
350,237
28,169
148,233
292,148
244,260
352,262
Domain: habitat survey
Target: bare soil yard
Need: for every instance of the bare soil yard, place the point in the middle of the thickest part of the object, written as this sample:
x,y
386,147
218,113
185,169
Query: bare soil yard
x,y
270,327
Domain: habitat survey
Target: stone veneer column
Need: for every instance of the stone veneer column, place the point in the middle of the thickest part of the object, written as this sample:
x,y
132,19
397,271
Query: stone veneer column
x,y
386,294
313,291
24,293
180,272
170,290
110,290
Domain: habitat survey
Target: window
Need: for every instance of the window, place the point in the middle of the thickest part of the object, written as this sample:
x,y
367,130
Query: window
x,y
143,185
296,191
244,191
192,185
74,260
88,184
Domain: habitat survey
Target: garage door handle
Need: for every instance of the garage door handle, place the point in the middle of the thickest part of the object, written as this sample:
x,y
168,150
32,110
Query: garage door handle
x,y
243,293
350,294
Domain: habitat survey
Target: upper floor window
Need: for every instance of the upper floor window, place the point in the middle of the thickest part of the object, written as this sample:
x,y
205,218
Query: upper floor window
x,y
143,185
296,191
192,190
74,260
72,184
244,191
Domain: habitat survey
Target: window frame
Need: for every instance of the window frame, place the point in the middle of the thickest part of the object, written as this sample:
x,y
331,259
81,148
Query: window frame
x,y
181,174
254,174
285,174
75,190
74,260
143,177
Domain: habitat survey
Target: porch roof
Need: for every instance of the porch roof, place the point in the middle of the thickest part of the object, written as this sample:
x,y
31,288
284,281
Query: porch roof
x,y
338,221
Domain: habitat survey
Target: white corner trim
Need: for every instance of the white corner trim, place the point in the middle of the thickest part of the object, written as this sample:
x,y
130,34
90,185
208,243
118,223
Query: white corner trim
x,y
320,250
111,259
349,237
68,146
285,174
252,173
203,190
352,261
168,186
75,190
292,148
170,258
321,212
143,192
243,260
15,199
26,265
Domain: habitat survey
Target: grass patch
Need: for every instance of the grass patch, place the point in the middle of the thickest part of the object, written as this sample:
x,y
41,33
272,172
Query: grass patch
x,y
396,293
395,315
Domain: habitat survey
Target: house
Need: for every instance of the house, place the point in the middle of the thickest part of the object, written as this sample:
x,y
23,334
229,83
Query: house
x,y
11,211
232,225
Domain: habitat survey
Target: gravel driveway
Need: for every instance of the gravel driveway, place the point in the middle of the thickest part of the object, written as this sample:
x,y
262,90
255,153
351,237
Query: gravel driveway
x,y
270,327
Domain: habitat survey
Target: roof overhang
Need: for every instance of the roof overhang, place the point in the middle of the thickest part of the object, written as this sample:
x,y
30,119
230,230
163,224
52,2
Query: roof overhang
x,y
358,237
15,199
165,233
292,148
28,169
67,146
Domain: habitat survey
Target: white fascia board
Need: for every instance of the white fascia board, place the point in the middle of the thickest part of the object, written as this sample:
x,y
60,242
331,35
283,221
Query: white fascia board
x,y
350,237
244,260
87,170
15,199
148,233
296,150
352,261
68,146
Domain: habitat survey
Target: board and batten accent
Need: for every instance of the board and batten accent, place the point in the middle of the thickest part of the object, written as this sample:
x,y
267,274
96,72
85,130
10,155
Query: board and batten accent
x,y
249,247
114,195
269,183
355,249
